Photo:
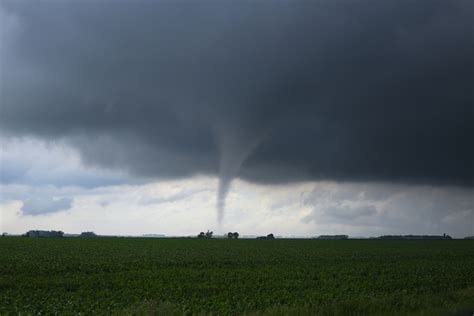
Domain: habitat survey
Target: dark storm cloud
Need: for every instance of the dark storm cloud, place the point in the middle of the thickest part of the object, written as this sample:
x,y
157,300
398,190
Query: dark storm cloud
x,y
268,91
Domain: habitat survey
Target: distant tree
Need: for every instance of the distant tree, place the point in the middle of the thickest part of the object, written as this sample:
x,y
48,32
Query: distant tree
x,y
269,236
205,235
231,235
87,234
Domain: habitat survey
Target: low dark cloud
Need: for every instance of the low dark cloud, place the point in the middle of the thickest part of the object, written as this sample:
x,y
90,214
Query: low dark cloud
x,y
44,205
34,163
342,213
393,208
264,90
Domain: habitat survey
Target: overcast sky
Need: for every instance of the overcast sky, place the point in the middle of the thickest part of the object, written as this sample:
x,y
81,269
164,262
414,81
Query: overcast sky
x,y
292,117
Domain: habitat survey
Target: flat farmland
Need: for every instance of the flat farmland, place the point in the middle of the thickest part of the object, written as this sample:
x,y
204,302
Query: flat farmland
x,y
235,277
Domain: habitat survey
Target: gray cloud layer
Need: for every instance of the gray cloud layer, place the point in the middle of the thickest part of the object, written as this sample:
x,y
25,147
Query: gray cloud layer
x,y
393,208
43,205
267,91
24,161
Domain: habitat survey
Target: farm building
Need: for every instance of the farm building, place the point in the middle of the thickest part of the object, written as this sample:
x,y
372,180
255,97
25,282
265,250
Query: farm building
x,y
44,233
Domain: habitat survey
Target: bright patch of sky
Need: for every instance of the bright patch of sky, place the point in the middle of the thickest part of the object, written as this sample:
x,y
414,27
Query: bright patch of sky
x,y
45,186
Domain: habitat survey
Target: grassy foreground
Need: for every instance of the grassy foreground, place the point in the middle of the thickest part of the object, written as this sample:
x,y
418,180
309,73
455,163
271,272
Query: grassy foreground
x,y
256,277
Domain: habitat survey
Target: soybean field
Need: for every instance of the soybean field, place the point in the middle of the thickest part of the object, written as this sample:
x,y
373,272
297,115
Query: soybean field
x,y
141,276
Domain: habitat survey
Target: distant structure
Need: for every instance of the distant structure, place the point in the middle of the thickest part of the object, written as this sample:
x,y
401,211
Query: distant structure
x,y
333,237
154,236
469,237
269,236
416,237
44,233
87,234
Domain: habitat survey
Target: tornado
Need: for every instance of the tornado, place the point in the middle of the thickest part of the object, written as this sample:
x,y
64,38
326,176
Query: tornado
x,y
223,189
235,146
232,155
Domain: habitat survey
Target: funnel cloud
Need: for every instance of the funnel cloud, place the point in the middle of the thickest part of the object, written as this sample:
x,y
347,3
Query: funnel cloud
x,y
235,146
269,92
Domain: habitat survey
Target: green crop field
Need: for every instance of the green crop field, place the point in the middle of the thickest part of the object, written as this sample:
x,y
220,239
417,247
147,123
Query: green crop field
x,y
235,277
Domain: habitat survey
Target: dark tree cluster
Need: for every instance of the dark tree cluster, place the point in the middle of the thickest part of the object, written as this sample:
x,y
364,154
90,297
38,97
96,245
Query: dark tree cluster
x,y
88,234
397,237
234,235
205,235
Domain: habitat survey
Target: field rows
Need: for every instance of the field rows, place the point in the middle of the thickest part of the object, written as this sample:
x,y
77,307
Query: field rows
x,y
186,276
